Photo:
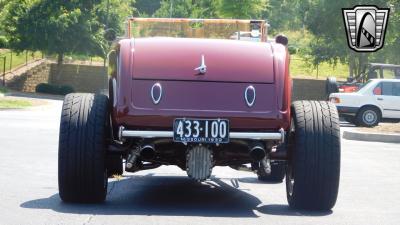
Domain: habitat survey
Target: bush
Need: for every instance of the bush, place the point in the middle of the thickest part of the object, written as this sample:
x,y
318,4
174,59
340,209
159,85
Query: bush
x,y
64,90
293,49
54,89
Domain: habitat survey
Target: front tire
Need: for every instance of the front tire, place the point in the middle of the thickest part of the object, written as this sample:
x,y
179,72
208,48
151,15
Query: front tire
x,y
313,171
82,175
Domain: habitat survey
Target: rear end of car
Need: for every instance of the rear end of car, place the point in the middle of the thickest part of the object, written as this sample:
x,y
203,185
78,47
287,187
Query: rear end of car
x,y
198,103
240,101
160,81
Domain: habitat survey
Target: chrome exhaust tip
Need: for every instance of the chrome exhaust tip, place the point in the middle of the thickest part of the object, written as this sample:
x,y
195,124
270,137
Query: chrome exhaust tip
x,y
147,152
257,152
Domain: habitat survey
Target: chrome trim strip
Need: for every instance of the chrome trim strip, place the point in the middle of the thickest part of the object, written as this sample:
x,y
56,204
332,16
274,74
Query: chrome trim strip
x,y
147,134
156,101
255,136
250,104
279,136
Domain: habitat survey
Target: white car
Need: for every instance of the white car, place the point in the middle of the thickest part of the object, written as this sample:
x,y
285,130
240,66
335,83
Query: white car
x,y
378,99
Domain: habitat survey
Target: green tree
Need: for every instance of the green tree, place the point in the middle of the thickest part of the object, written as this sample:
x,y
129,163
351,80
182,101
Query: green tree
x,y
3,39
241,9
325,21
146,7
186,9
3,3
63,27
287,15
391,50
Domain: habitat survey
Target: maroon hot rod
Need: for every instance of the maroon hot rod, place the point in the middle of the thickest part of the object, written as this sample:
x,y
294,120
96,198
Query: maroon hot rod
x,y
189,93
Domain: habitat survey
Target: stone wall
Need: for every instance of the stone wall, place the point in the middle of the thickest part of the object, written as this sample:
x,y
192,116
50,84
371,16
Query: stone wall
x,y
308,89
87,78
28,80
83,78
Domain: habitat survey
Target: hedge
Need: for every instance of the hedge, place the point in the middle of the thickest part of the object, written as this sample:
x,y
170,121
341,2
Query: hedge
x,y
54,89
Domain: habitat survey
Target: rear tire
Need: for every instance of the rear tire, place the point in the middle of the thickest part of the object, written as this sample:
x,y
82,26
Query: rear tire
x,y
277,173
82,175
313,171
368,117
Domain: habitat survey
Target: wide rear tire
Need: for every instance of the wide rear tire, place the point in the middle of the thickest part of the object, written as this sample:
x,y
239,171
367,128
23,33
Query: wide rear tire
x,y
82,175
313,171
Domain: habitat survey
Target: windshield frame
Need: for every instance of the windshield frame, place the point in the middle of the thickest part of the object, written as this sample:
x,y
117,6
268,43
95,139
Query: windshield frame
x,y
263,23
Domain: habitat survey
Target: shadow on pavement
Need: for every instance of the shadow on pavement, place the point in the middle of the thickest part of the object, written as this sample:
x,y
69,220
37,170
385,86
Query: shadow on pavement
x,y
284,210
252,180
173,196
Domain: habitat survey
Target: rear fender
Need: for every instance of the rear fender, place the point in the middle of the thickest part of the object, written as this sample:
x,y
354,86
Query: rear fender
x,y
121,80
284,83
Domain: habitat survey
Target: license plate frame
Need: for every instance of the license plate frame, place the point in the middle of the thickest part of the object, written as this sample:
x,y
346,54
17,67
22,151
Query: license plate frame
x,y
204,133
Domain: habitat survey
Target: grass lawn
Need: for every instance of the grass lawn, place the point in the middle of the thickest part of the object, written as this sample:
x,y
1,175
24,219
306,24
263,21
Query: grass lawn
x,y
301,69
7,103
17,59
13,103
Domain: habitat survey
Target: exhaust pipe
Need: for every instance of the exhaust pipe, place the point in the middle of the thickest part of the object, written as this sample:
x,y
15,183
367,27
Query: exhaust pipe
x,y
147,152
134,160
257,151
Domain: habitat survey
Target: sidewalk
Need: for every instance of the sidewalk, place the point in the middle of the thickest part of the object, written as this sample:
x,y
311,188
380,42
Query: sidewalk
x,y
350,132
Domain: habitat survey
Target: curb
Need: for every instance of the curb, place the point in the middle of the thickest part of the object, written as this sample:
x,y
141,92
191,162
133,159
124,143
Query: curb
x,y
372,137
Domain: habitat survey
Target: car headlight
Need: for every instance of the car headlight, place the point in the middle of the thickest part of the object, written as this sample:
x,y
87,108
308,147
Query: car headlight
x,y
334,100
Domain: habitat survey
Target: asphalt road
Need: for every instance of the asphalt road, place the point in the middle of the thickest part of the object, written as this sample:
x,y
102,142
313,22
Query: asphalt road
x,y
369,188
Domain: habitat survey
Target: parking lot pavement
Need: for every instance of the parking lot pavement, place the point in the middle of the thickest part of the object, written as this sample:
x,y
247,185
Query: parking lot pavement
x,y
369,189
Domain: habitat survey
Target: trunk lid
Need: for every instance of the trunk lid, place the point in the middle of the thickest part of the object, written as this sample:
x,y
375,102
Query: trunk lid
x,y
226,60
192,99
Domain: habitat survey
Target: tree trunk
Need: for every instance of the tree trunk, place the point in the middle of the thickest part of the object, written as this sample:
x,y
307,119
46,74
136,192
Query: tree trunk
x,y
351,65
60,58
363,60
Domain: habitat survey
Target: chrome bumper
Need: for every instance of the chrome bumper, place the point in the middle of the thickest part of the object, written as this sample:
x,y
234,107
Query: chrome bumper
x,y
277,136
